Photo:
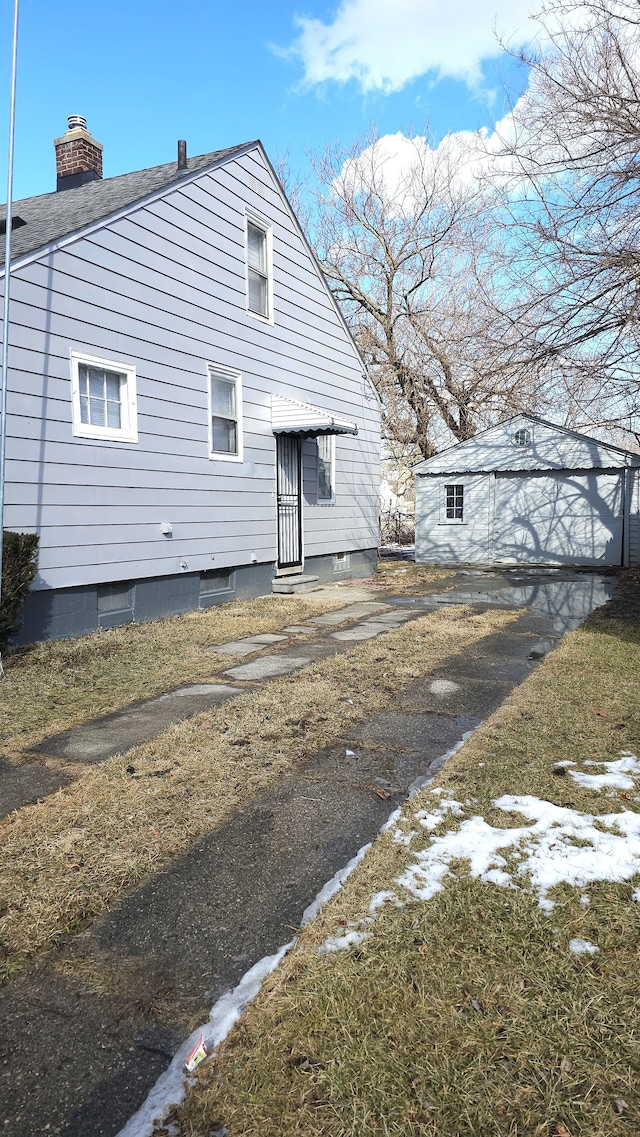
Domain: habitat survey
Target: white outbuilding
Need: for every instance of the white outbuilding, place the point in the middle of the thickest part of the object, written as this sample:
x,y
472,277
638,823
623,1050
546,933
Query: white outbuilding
x,y
529,492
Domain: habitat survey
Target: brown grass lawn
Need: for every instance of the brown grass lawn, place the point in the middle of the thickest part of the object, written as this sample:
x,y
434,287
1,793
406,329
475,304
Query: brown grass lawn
x,y
67,858
465,1015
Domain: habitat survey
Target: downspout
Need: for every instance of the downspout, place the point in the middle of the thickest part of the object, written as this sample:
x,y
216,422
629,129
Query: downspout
x,y
7,283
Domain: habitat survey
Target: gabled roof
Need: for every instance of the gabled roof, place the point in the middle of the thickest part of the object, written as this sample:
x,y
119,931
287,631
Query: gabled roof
x,y
550,447
51,216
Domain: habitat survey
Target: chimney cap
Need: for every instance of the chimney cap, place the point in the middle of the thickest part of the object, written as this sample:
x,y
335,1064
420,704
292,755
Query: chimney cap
x,y
77,122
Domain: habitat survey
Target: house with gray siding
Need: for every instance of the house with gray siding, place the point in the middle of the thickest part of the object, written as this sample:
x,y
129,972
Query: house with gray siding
x,y
529,492
188,416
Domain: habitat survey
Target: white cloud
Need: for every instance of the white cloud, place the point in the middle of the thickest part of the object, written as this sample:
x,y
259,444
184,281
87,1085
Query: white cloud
x,y
384,45
464,155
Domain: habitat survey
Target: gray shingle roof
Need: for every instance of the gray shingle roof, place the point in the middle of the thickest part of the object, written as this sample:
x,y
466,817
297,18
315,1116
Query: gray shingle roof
x,y
53,215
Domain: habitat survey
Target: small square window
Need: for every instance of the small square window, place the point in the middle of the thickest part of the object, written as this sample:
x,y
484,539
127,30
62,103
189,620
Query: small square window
x,y
114,597
259,276
225,413
326,454
454,503
214,581
522,438
103,399
341,562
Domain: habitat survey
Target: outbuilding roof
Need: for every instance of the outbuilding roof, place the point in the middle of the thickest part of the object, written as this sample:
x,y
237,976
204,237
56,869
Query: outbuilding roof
x,y
526,442
50,216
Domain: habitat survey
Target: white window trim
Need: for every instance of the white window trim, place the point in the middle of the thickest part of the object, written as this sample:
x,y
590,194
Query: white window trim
x,y
267,228
236,376
129,404
328,500
453,520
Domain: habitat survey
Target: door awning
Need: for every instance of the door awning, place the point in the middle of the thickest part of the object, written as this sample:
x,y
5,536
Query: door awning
x,y
290,417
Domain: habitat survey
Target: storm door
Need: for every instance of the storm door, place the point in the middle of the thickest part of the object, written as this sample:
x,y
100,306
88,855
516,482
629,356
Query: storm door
x,y
289,478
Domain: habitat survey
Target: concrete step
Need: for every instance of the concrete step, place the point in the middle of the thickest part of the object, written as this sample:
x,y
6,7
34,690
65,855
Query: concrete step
x,y
291,584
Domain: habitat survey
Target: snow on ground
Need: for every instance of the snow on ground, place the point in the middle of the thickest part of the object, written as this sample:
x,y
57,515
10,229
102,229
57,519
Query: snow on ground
x,y
559,845
618,774
534,857
582,947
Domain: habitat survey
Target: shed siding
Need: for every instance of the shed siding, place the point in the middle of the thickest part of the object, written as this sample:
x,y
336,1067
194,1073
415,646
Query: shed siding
x,y
449,542
551,448
634,518
164,289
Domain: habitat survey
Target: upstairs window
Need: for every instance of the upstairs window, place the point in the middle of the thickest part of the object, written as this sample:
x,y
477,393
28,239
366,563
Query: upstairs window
x,y
225,405
259,269
454,503
103,399
326,452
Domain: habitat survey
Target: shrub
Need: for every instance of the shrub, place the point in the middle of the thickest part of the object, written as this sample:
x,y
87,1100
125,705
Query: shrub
x,y
19,564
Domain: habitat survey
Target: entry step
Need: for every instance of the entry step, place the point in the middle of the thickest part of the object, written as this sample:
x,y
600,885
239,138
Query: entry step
x,y
289,584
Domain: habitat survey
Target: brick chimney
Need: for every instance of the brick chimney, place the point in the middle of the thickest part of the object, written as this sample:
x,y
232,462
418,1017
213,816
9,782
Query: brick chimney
x,y
78,155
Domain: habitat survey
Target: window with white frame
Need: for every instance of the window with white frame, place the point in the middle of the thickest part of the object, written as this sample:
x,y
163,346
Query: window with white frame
x,y
454,503
225,413
103,398
259,279
326,465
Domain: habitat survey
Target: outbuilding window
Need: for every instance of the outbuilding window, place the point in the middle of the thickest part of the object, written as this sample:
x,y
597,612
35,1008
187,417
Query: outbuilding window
x,y
522,438
454,503
103,398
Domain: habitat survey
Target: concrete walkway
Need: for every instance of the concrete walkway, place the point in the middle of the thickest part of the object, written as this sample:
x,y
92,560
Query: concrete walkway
x,y
83,1044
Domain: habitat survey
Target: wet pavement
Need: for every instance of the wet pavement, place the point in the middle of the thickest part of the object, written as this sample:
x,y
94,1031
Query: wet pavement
x,y
86,1032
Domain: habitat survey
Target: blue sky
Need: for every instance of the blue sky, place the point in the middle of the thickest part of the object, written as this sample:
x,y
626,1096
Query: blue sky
x,y
298,75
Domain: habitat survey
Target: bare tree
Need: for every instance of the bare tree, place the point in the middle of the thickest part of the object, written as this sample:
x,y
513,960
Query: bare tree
x,y
411,253
574,204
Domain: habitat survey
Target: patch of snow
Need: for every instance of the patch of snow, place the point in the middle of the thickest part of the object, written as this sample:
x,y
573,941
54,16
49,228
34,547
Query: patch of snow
x,y
432,819
420,783
341,943
565,762
545,852
618,774
635,896
582,947
585,900
392,819
350,753
332,886
380,898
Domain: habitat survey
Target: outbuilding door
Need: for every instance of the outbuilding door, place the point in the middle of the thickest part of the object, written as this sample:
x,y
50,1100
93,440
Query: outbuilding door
x,y
558,518
288,488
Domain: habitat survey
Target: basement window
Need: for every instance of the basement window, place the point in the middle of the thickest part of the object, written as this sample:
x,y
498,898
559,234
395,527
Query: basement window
x,y
454,503
114,598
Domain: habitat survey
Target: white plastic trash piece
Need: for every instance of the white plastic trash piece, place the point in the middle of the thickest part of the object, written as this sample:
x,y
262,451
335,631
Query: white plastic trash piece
x,y
350,753
197,1054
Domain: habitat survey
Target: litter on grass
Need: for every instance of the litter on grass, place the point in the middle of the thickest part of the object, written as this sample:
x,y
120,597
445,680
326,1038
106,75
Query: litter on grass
x,y
197,1054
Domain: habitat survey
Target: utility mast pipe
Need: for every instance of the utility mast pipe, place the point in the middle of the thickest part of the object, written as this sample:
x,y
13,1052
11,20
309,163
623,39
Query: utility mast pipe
x,y
7,282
